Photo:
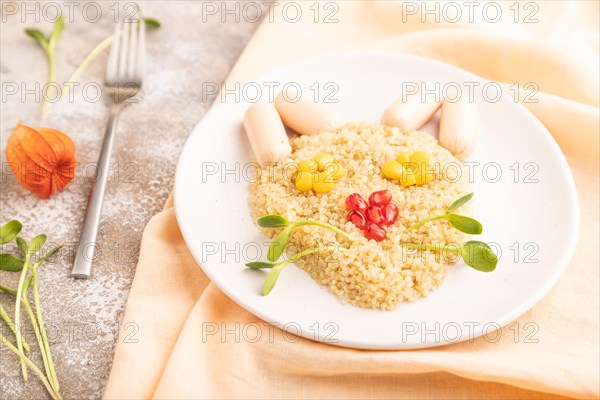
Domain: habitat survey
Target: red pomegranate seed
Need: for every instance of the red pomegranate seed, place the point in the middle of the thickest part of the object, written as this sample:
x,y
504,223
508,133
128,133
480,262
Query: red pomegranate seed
x,y
375,232
356,202
374,215
357,219
390,214
380,198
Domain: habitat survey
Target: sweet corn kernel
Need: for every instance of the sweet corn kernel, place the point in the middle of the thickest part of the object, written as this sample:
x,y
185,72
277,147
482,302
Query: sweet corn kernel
x,y
404,157
320,174
423,175
410,168
304,181
408,178
335,170
322,160
322,182
419,157
307,166
392,169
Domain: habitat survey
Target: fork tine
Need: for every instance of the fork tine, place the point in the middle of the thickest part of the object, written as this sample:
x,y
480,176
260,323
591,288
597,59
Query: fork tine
x,y
123,50
141,51
113,58
132,53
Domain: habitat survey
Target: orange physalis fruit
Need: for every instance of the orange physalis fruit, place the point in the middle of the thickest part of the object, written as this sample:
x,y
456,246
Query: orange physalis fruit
x,y
42,159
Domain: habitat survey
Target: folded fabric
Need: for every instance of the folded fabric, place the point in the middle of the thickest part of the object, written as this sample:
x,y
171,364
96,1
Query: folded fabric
x,y
189,332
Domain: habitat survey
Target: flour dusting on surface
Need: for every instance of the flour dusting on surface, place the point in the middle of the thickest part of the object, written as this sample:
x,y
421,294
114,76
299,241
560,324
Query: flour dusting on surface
x,y
82,316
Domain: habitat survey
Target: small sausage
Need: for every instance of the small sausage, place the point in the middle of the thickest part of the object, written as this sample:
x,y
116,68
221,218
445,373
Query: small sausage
x,y
411,113
266,134
457,130
305,116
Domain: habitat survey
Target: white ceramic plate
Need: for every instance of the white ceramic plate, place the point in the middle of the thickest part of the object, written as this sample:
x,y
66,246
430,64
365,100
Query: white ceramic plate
x,y
530,211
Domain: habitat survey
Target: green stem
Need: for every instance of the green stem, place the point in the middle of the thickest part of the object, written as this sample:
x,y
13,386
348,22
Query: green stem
x,y
424,221
277,268
11,326
8,290
92,55
18,312
323,225
13,291
36,330
50,371
307,252
431,247
51,66
30,364
51,78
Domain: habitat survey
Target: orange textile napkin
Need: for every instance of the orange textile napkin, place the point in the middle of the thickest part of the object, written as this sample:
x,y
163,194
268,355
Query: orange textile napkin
x,y
175,306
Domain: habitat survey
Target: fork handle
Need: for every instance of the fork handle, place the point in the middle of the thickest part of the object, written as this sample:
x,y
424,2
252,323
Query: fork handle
x,y
86,250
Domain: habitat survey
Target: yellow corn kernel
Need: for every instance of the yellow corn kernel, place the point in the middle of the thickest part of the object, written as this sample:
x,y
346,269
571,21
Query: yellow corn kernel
x,y
322,160
334,170
406,161
408,178
340,172
404,157
307,166
420,157
304,181
422,176
392,169
322,182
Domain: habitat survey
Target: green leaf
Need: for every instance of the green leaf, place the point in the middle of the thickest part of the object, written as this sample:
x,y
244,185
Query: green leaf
x,y
59,25
154,23
8,262
22,245
38,36
259,265
36,244
459,203
271,279
272,221
479,255
279,244
10,231
465,224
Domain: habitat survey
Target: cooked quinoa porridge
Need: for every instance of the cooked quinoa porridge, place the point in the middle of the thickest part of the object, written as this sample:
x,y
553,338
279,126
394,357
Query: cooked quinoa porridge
x,y
366,273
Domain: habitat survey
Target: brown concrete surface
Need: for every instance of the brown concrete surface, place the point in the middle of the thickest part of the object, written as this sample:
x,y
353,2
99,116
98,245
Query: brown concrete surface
x,y
82,316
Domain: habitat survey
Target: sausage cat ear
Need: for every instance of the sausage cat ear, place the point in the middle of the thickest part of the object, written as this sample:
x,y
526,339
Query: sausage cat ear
x,y
411,111
266,134
305,116
457,130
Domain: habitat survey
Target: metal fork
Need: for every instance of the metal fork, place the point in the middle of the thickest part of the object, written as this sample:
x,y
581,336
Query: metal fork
x,y
123,81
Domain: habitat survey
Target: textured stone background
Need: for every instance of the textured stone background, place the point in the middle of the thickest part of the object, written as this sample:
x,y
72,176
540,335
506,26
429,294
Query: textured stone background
x,y
83,316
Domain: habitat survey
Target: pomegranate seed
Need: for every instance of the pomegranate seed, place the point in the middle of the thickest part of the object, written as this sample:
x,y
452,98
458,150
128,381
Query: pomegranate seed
x,y
390,214
358,219
375,232
380,198
356,202
374,215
